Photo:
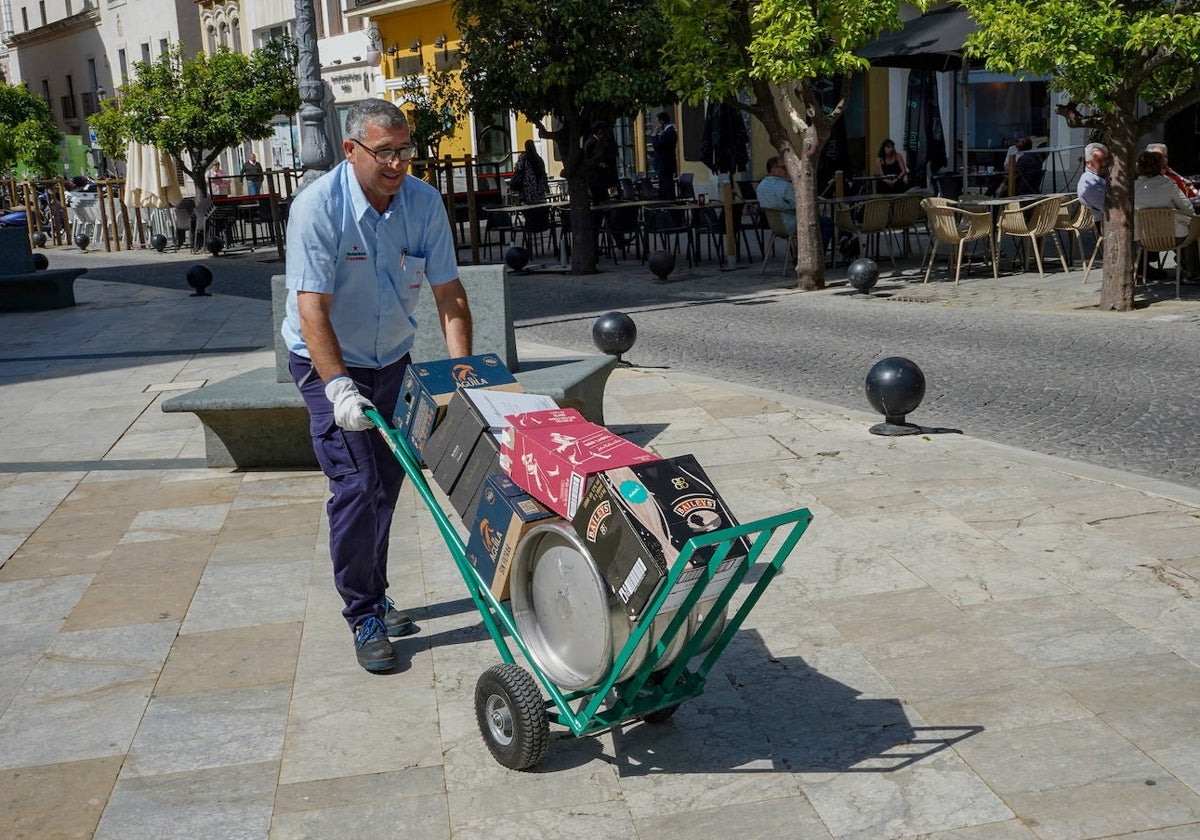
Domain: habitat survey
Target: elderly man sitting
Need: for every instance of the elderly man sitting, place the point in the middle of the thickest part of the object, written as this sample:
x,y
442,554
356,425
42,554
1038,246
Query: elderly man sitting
x,y
1093,183
775,192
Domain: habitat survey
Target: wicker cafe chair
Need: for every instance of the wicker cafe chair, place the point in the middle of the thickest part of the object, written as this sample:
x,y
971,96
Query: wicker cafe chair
x,y
1034,222
955,227
1156,232
875,215
1075,219
906,212
778,231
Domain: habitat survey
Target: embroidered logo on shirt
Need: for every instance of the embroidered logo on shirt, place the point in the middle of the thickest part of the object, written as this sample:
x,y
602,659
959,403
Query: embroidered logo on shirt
x,y
354,255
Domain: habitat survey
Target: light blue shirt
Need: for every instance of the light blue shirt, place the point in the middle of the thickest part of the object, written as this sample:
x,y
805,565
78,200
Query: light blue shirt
x,y
1091,190
373,264
775,193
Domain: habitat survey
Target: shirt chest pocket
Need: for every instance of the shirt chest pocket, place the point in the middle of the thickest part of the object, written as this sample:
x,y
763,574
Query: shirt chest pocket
x,y
409,279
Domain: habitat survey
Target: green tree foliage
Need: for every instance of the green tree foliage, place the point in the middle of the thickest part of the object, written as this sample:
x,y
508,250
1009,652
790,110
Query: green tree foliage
x,y
576,61
28,137
1124,66
193,108
436,103
776,50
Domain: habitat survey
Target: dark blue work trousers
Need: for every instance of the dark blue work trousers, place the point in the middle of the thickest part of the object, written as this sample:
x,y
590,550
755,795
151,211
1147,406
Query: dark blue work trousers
x,y
364,478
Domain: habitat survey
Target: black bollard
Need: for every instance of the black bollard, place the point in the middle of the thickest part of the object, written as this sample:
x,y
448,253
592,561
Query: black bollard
x,y
863,274
614,333
40,262
158,242
516,258
199,277
895,386
82,240
661,263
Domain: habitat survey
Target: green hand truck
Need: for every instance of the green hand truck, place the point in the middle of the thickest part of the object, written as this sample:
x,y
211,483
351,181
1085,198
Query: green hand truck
x,y
513,717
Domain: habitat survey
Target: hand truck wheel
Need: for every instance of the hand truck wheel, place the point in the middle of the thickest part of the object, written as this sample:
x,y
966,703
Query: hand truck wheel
x,y
512,716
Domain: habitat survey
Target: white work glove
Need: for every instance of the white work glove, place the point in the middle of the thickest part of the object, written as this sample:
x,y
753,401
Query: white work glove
x,y
348,404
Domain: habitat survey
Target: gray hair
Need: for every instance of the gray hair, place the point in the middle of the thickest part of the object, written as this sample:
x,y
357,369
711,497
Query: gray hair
x,y
1161,148
378,112
1089,151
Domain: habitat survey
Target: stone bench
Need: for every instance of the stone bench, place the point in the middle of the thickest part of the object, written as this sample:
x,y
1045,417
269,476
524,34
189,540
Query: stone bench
x,y
258,419
25,289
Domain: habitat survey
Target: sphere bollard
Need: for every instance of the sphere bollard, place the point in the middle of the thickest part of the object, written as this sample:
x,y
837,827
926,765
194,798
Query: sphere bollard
x,y
39,239
516,258
661,263
82,240
199,277
895,386
158,242
40,263
214,245
863,274
614,333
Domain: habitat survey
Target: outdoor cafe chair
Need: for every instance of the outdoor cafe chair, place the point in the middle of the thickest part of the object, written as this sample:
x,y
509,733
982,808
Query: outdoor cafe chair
x,y
955,227
873,222
1074,220
665,225
622,229
536,225
778,231
1034,222
499,228
906,213
1156,232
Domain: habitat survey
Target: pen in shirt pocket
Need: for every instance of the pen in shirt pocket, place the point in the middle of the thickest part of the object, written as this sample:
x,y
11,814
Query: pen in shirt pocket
x,y
403,257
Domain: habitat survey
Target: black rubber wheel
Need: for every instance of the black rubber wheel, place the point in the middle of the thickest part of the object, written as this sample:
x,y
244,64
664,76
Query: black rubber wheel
x,y
661,715
511,716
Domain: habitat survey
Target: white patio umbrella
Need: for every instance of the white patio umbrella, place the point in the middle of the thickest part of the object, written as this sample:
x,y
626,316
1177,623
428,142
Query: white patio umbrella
x,y
150,178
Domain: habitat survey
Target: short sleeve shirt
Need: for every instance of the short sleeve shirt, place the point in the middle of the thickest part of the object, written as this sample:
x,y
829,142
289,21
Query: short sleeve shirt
x,y
373,264
775,193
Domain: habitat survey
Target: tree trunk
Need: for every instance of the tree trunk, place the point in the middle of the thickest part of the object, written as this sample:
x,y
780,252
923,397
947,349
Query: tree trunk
x,y
1116,292
802,169
583,235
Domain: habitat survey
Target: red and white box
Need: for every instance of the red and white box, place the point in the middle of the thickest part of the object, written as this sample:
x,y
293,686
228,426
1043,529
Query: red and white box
x,y
553,454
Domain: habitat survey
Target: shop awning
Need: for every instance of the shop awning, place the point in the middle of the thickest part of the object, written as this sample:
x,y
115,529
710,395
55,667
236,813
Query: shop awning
x,y
931,42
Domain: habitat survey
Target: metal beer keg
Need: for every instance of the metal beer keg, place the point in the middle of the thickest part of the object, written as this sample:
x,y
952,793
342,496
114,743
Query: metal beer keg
x,y
571,623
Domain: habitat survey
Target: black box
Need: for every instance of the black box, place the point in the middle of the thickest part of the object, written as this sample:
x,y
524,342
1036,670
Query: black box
x,y
636,519
483,461
472,412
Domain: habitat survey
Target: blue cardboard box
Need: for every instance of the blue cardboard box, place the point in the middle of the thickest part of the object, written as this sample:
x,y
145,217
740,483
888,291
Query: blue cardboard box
x,y
506,512
428,387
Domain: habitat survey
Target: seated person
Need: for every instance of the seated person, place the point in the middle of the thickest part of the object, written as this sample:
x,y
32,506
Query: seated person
x,y
1029,168
891,168
1093,183
1180,181
1153,188
775,192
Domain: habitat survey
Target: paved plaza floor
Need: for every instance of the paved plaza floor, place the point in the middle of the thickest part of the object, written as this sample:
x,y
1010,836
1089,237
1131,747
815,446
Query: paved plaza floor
x,y
971,642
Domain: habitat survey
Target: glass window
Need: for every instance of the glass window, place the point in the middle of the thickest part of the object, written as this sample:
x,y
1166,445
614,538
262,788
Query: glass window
x,y
42,10
123,63
237,35
146,52
164,46
25,18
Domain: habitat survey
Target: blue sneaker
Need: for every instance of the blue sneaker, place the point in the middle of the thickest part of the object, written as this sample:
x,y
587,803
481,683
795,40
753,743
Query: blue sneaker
x,y
396,622
372,647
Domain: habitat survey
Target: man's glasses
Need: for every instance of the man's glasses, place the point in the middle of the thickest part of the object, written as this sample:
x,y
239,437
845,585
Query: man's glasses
x,y
386,156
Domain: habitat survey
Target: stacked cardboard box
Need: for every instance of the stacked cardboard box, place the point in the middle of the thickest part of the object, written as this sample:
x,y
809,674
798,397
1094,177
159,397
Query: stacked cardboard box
x,y
553,454
428,387
506,513
464,449
635,519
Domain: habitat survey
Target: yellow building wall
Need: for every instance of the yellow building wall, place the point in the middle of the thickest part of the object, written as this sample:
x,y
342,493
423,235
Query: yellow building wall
x,y
426,24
